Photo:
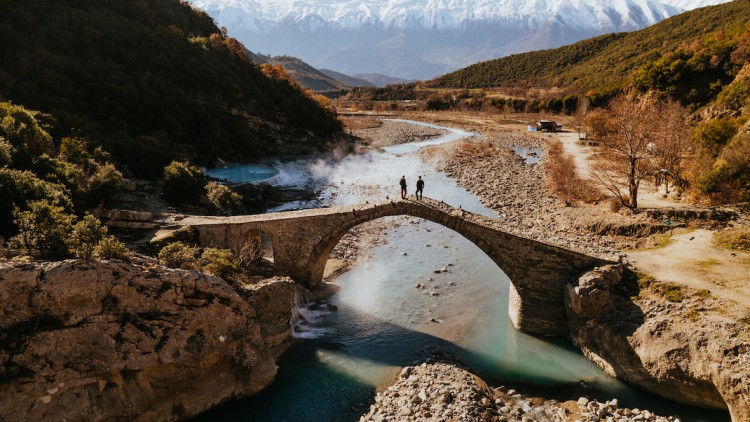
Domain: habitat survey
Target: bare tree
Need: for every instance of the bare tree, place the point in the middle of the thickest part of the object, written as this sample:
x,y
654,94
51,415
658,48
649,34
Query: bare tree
x,y
579,117
627,152
671,143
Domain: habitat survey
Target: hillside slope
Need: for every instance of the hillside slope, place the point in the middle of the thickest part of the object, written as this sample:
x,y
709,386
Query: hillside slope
x,y
151,81
603,63
318,80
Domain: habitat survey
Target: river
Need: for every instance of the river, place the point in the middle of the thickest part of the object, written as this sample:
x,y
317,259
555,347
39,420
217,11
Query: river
x,y
384,322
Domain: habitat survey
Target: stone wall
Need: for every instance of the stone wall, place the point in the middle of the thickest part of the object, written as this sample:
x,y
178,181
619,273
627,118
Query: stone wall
x,y
88,340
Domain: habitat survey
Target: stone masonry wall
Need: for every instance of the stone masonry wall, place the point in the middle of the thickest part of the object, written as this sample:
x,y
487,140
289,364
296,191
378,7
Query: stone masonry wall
x,y
303,241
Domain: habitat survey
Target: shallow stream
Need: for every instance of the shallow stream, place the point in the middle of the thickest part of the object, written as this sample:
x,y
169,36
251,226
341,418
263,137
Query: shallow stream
x,y
384,322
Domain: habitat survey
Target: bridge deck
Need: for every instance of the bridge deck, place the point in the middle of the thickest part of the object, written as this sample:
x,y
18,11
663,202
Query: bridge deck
x,y
326,211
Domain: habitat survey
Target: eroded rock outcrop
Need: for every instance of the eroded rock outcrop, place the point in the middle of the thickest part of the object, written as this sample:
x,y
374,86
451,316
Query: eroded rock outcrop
x,y
661,345
106,340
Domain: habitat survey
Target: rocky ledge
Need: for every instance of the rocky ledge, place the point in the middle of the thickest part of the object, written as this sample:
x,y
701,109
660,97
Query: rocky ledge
x,y
441,389
675,342
114,341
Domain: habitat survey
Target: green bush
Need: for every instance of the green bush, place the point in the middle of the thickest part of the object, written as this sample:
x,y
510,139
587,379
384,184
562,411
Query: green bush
x,y
6,152
180,255
44,227
103,184
183,182
87,234
23,130
111,248
222,199
18,188
219,262
73,150
713,135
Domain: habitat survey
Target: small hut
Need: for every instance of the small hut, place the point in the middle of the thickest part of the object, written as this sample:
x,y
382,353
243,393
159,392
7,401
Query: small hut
x,y
548,125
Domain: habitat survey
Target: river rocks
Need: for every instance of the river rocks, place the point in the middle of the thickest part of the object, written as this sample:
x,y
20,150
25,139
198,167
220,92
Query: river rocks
x,y
661,345
434,391
441,389
114,341
394,133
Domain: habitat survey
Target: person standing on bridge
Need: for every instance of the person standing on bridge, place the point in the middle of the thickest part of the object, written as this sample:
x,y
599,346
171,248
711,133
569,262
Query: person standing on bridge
x,y
402,182
420,187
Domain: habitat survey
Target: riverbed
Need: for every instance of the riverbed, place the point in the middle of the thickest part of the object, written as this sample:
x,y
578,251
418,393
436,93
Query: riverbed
x,y
384,321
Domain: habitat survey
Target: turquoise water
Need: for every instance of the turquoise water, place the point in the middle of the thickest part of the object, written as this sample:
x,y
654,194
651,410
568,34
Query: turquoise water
x,y
384,322
243,172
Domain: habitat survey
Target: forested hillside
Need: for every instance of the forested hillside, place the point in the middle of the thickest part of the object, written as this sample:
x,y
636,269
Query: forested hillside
x,y
603,64
150,81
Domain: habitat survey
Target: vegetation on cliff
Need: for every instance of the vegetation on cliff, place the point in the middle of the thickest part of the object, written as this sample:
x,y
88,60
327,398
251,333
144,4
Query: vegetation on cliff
x,y
606,63
151,81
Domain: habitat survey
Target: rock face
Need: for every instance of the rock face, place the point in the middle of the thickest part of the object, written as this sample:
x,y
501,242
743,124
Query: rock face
x,y
113,341
659,345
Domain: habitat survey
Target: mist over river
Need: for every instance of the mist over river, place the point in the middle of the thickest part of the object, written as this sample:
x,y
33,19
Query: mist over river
x,y
341,358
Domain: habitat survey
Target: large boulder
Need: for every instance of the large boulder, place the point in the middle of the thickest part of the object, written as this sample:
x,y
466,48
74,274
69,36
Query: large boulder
x,y
115,341
690,350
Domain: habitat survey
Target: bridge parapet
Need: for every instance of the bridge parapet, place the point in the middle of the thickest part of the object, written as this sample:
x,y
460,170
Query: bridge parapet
x,y
303,240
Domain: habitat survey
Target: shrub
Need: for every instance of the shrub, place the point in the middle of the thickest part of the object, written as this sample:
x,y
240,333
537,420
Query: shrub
x,y
87,234
45,227
73,150
222,199
670,291
18,188
736,238
23,130
564,181
111,248
219,262
183,182
103,184
6,152
180,255
713,135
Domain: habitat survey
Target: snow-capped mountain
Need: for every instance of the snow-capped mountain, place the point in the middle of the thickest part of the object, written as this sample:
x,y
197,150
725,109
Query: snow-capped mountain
x,y
422,38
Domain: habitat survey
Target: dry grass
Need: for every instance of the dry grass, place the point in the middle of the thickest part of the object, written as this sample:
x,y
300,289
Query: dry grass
x,y
735,238
470,151
358,123
706,264
670,291
563,180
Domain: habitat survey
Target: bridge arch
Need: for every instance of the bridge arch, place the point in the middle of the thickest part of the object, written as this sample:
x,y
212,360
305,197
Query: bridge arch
x,y
303,241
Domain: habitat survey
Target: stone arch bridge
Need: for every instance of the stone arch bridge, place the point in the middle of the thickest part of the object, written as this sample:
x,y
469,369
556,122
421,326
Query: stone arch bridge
x,y
303,240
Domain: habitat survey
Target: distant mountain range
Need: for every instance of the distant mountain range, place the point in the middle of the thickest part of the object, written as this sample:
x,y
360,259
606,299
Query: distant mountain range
x,y
421,39
692,57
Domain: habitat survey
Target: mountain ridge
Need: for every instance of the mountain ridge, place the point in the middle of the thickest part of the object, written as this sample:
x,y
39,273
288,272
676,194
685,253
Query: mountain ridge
x,y
421,39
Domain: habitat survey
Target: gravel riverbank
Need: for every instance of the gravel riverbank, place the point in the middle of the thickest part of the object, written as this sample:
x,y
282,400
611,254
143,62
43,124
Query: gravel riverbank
x,y
514,187
389,132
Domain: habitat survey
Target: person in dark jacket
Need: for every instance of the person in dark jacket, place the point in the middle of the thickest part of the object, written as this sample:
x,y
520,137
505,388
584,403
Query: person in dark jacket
x,y
402,182
420,187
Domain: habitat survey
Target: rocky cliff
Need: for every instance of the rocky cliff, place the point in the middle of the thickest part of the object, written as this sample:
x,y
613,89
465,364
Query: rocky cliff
x,y
113,341
680,344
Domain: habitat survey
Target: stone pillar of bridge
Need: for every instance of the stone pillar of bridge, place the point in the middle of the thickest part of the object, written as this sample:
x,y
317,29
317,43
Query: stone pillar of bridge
x,y
536,292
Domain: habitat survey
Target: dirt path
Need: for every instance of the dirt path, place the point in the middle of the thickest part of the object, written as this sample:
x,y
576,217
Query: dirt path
x,y
692,260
